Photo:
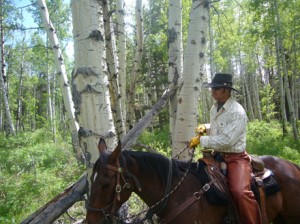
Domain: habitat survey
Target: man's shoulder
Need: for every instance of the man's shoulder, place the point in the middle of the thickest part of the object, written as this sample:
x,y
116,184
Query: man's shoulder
x,y
235,106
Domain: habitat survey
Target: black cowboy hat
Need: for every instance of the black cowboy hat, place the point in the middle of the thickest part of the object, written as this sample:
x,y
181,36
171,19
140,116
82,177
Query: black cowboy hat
x,y
220,80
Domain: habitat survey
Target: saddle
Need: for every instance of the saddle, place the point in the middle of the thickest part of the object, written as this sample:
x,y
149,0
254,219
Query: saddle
x,y
264,182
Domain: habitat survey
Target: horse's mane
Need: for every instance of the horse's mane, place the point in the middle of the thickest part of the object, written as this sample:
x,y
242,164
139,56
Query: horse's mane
x,y
153,165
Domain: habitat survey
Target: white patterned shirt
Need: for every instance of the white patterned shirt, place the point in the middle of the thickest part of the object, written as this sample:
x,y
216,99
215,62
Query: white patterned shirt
x,y
227,128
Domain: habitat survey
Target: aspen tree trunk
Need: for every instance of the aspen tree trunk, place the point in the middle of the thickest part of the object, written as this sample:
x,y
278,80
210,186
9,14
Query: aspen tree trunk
x,y
211,60
8,117
296,80
186,119
285,77
53,106
281,91
175,58
256,89
297,102
50,114
256,100
206,100
251,83
64,83
246,87
1,112
279,72
19,100
250,110
49,100
121,43
113,70
244,94
281,88
90,82
33,121
137,64
290,105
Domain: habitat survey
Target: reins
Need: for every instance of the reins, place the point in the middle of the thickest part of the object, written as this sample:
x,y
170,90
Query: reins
x,y
154,209
160,206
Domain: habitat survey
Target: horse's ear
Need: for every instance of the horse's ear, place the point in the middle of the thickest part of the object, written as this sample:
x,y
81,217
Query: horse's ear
x,y
102,146
115,154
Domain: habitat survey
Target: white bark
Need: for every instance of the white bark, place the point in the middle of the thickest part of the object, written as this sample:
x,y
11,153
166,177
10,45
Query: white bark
x,y
90,83
137,63
6,105
285,79
64,83
8,117
291,106
186,119
19,100
245,82
256,91
53,108
50,114
175,57
121,43
1,114
280,76
113,70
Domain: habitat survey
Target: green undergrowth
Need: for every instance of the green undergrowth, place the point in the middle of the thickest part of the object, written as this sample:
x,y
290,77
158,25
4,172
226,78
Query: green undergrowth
x,y
33,169
266,138
263,138
158,140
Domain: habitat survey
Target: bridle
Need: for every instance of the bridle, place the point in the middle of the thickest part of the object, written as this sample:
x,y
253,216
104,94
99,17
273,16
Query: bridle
x,y
120,171
118,188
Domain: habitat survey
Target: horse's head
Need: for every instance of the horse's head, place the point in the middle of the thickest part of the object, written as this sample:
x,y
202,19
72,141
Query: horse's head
x,y
110,186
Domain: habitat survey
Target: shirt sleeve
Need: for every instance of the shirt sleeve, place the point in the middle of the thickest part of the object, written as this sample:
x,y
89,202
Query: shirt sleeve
x,y
231,133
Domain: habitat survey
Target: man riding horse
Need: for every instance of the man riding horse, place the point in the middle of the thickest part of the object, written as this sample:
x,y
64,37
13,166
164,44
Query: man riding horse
x,y
227,137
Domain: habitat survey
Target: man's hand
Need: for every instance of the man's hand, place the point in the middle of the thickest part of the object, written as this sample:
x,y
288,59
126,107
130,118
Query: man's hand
x,y
201,129
194,141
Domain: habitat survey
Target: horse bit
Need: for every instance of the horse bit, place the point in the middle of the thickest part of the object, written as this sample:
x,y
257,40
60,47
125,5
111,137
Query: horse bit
x,y
118,188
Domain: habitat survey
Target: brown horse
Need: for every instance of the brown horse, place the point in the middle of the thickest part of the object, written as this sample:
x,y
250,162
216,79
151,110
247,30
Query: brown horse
x,y
116,175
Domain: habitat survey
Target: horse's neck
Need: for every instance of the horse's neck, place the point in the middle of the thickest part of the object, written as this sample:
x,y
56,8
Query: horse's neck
x,y
151,189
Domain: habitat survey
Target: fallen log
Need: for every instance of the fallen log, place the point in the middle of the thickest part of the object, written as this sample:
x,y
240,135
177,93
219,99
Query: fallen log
x,y
62,202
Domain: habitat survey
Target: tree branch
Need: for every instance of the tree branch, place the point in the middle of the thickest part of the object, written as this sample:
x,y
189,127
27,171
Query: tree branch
x,y
144,122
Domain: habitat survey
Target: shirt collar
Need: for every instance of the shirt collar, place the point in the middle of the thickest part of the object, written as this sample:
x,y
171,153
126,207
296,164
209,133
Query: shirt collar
x,y
226,104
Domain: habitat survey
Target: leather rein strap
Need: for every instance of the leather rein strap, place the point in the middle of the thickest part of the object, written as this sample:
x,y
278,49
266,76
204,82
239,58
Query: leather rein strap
x,y
188,202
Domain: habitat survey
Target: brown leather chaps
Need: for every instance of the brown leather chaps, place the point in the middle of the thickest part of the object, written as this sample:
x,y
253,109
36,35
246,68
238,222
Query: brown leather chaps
x,y
239,181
